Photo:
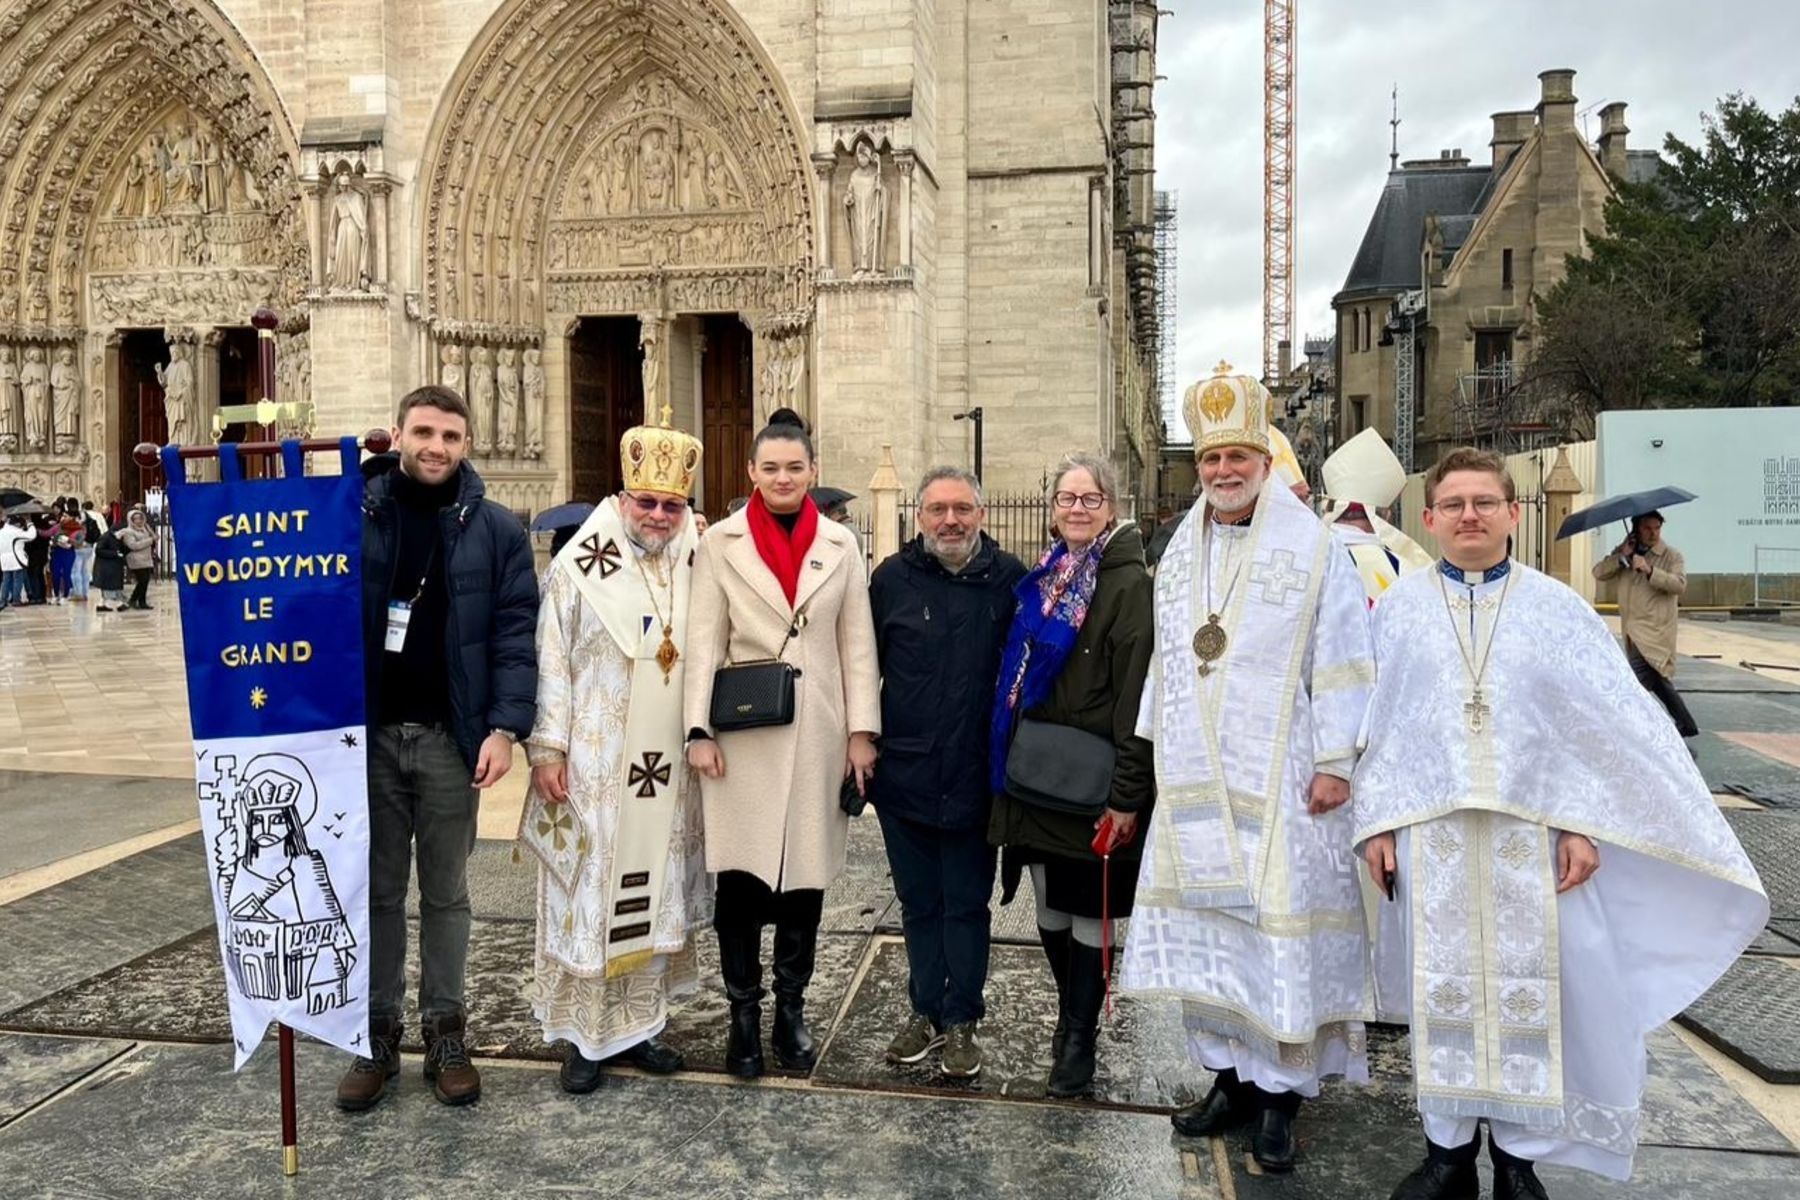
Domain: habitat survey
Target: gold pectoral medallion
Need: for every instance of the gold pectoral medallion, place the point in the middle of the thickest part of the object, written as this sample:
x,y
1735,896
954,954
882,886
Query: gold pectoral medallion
x,y
1209,643
666,654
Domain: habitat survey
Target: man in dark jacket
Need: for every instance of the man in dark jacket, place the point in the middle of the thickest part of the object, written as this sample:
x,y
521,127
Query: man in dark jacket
x,y
449,621
942,607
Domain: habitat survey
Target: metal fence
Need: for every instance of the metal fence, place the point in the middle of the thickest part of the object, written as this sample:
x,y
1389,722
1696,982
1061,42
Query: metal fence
x,y
1020,521
1777,583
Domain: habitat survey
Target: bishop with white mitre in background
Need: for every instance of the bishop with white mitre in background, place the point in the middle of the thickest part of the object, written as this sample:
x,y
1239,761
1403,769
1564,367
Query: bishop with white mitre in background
x,y
1360,477
1562,881
1247,905
613,814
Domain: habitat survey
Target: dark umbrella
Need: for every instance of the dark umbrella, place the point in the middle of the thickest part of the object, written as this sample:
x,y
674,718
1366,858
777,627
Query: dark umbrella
x,y
31,508
14,496
828,498
1622,508
572,513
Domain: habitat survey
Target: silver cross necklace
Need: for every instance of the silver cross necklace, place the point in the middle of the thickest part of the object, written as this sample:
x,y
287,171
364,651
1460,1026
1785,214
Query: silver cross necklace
x,y
1476,710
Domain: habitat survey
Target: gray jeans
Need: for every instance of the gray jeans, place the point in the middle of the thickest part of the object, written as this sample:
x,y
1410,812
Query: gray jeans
x,y
419,793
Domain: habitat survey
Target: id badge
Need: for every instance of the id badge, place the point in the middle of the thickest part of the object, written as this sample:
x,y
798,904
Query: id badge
x,y
399,616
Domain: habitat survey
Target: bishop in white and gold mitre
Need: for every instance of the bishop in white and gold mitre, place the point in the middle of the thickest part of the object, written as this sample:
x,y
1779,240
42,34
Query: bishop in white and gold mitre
x,y
660,458
1228,410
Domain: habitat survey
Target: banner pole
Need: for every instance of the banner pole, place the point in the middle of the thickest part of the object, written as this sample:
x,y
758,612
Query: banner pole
x,y
290,1117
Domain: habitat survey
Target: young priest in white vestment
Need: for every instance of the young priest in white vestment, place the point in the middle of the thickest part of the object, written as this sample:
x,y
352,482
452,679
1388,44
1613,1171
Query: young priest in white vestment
x,y
1247,907
613,815
1562,881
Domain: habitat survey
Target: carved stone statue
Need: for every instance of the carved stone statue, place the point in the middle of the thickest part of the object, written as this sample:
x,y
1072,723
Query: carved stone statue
x,y
481,398
620,160
182,181
34,381
177,381
650,342
534,404
9,399
506,373
866,202
720,190
65,400
349,237
693,175
658,172
451,374
131,197
208,160
156,167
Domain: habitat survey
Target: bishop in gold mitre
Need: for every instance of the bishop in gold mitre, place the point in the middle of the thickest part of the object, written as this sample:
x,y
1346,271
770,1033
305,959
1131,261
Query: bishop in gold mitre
x,y
613,813
1259,679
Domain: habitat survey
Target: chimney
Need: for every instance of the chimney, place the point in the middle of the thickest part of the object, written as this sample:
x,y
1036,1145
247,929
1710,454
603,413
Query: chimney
x,y
1511,130
1612,138
1556,109
1284,358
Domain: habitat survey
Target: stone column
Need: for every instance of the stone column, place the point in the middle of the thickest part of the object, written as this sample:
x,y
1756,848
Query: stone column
x,y
904,163
317,234
104,425
378,234
884,492
206,397
1560,489
823,214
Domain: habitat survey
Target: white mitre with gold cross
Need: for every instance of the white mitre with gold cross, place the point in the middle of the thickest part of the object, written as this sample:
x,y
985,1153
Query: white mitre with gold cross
x,y
1228,410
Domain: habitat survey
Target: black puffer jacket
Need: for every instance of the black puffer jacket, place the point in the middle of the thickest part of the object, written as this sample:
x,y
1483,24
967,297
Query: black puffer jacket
x,y
491,630
940,637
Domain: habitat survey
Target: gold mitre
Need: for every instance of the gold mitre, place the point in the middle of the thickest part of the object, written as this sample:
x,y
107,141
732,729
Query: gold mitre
x,y
660,458
1228,410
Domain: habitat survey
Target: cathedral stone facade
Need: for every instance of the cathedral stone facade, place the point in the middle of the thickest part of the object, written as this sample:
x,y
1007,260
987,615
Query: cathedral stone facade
x,y
882,213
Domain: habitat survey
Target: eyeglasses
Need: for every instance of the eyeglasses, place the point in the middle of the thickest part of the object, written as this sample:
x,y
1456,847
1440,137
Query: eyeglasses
x,y
939,511
670,505
1088,500
1484,506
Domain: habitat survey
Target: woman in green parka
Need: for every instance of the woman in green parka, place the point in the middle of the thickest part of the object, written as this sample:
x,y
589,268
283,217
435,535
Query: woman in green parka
x,y
1077,656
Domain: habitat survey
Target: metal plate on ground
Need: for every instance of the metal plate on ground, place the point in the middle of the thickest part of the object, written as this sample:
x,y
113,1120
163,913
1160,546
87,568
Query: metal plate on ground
x,y
1696,675
1785,799
1753,1016
1772,840
34,1068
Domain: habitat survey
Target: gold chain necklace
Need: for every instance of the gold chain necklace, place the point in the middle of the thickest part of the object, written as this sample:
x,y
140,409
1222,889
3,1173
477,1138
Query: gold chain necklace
x,y
1210,640
666,654
1476,711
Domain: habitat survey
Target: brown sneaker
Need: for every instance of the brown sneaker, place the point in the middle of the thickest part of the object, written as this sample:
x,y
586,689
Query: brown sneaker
x,y
366,1081
453,1077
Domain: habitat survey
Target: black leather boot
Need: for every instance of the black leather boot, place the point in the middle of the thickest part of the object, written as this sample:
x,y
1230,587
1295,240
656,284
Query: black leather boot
x,y
1056,949
740,962
1073,1073
579,1074
796,948
1272,1143
1446,1174
1514,1178
1229,1104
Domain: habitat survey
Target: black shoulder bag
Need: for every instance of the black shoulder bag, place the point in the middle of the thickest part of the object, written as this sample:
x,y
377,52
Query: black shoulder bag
x,y
1059,768
759,693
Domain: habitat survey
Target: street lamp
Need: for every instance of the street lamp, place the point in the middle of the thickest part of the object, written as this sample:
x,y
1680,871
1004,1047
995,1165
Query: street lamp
x,y
974,417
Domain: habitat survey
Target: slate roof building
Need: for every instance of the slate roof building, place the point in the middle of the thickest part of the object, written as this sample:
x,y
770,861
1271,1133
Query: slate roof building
x,y
1465,249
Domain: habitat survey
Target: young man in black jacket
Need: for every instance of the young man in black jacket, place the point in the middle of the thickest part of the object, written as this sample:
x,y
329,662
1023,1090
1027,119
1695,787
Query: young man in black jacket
x,y
449,620
942,608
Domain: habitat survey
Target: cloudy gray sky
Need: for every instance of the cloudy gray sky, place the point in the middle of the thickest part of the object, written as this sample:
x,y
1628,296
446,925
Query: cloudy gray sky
x,y
1455,63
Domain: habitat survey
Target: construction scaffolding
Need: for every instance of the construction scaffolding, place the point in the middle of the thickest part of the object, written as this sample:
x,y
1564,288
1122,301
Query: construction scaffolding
x,y
1403,322
1167,389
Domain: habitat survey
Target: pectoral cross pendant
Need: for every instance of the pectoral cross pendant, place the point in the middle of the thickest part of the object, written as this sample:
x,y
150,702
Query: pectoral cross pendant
x,y
1476,711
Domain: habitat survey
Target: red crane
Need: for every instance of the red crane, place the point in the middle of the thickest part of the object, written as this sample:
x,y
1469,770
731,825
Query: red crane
x,y
1279,45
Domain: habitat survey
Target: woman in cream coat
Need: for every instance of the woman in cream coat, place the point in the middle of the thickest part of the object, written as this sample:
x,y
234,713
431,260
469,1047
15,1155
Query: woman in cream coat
x,y
774,829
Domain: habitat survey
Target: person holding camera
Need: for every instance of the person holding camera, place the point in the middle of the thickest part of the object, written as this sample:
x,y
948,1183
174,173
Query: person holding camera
x,y
1073,779
1651,576
782,707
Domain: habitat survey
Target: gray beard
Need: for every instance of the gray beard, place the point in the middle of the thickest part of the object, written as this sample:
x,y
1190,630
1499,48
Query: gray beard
x,y
1251,492
936,549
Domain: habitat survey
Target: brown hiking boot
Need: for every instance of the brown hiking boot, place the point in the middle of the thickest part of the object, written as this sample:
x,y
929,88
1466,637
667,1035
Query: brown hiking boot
x,y
453,1077
366,1080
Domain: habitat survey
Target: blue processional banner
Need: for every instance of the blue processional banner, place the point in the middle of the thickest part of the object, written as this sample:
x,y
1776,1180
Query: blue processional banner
x,y
270,575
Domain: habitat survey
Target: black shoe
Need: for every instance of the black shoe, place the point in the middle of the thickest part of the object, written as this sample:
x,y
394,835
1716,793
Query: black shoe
x,y
1272,1143
1444,1175
796,950
580,1074
1056,949
1072,1074
740,962
1514,1178
1228,1105
658,1058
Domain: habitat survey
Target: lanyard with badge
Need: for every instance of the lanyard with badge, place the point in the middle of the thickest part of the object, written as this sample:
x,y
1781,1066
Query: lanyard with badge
x,y
400,611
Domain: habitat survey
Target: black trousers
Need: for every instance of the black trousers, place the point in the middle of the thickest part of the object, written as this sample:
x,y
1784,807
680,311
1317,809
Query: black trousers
x,y
1662,689
141,576
743,900
943,878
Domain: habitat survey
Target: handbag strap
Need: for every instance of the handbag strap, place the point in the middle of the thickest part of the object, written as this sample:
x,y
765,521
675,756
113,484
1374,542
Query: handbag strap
x,y
792,630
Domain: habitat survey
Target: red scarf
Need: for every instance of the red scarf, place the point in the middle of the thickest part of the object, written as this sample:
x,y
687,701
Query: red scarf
x,y
781,551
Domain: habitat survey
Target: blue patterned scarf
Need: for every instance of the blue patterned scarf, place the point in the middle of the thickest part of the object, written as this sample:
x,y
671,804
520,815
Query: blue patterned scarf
x,y
1053,603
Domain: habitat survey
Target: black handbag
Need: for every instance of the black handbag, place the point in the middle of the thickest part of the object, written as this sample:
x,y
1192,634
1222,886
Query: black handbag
x,y
1060,768
756,694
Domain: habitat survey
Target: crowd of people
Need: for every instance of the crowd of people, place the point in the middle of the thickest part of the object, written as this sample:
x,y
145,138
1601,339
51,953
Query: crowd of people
x,y
1331,778
61,553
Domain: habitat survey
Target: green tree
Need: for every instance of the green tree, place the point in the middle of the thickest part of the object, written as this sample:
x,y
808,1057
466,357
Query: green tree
x,y
1692,296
